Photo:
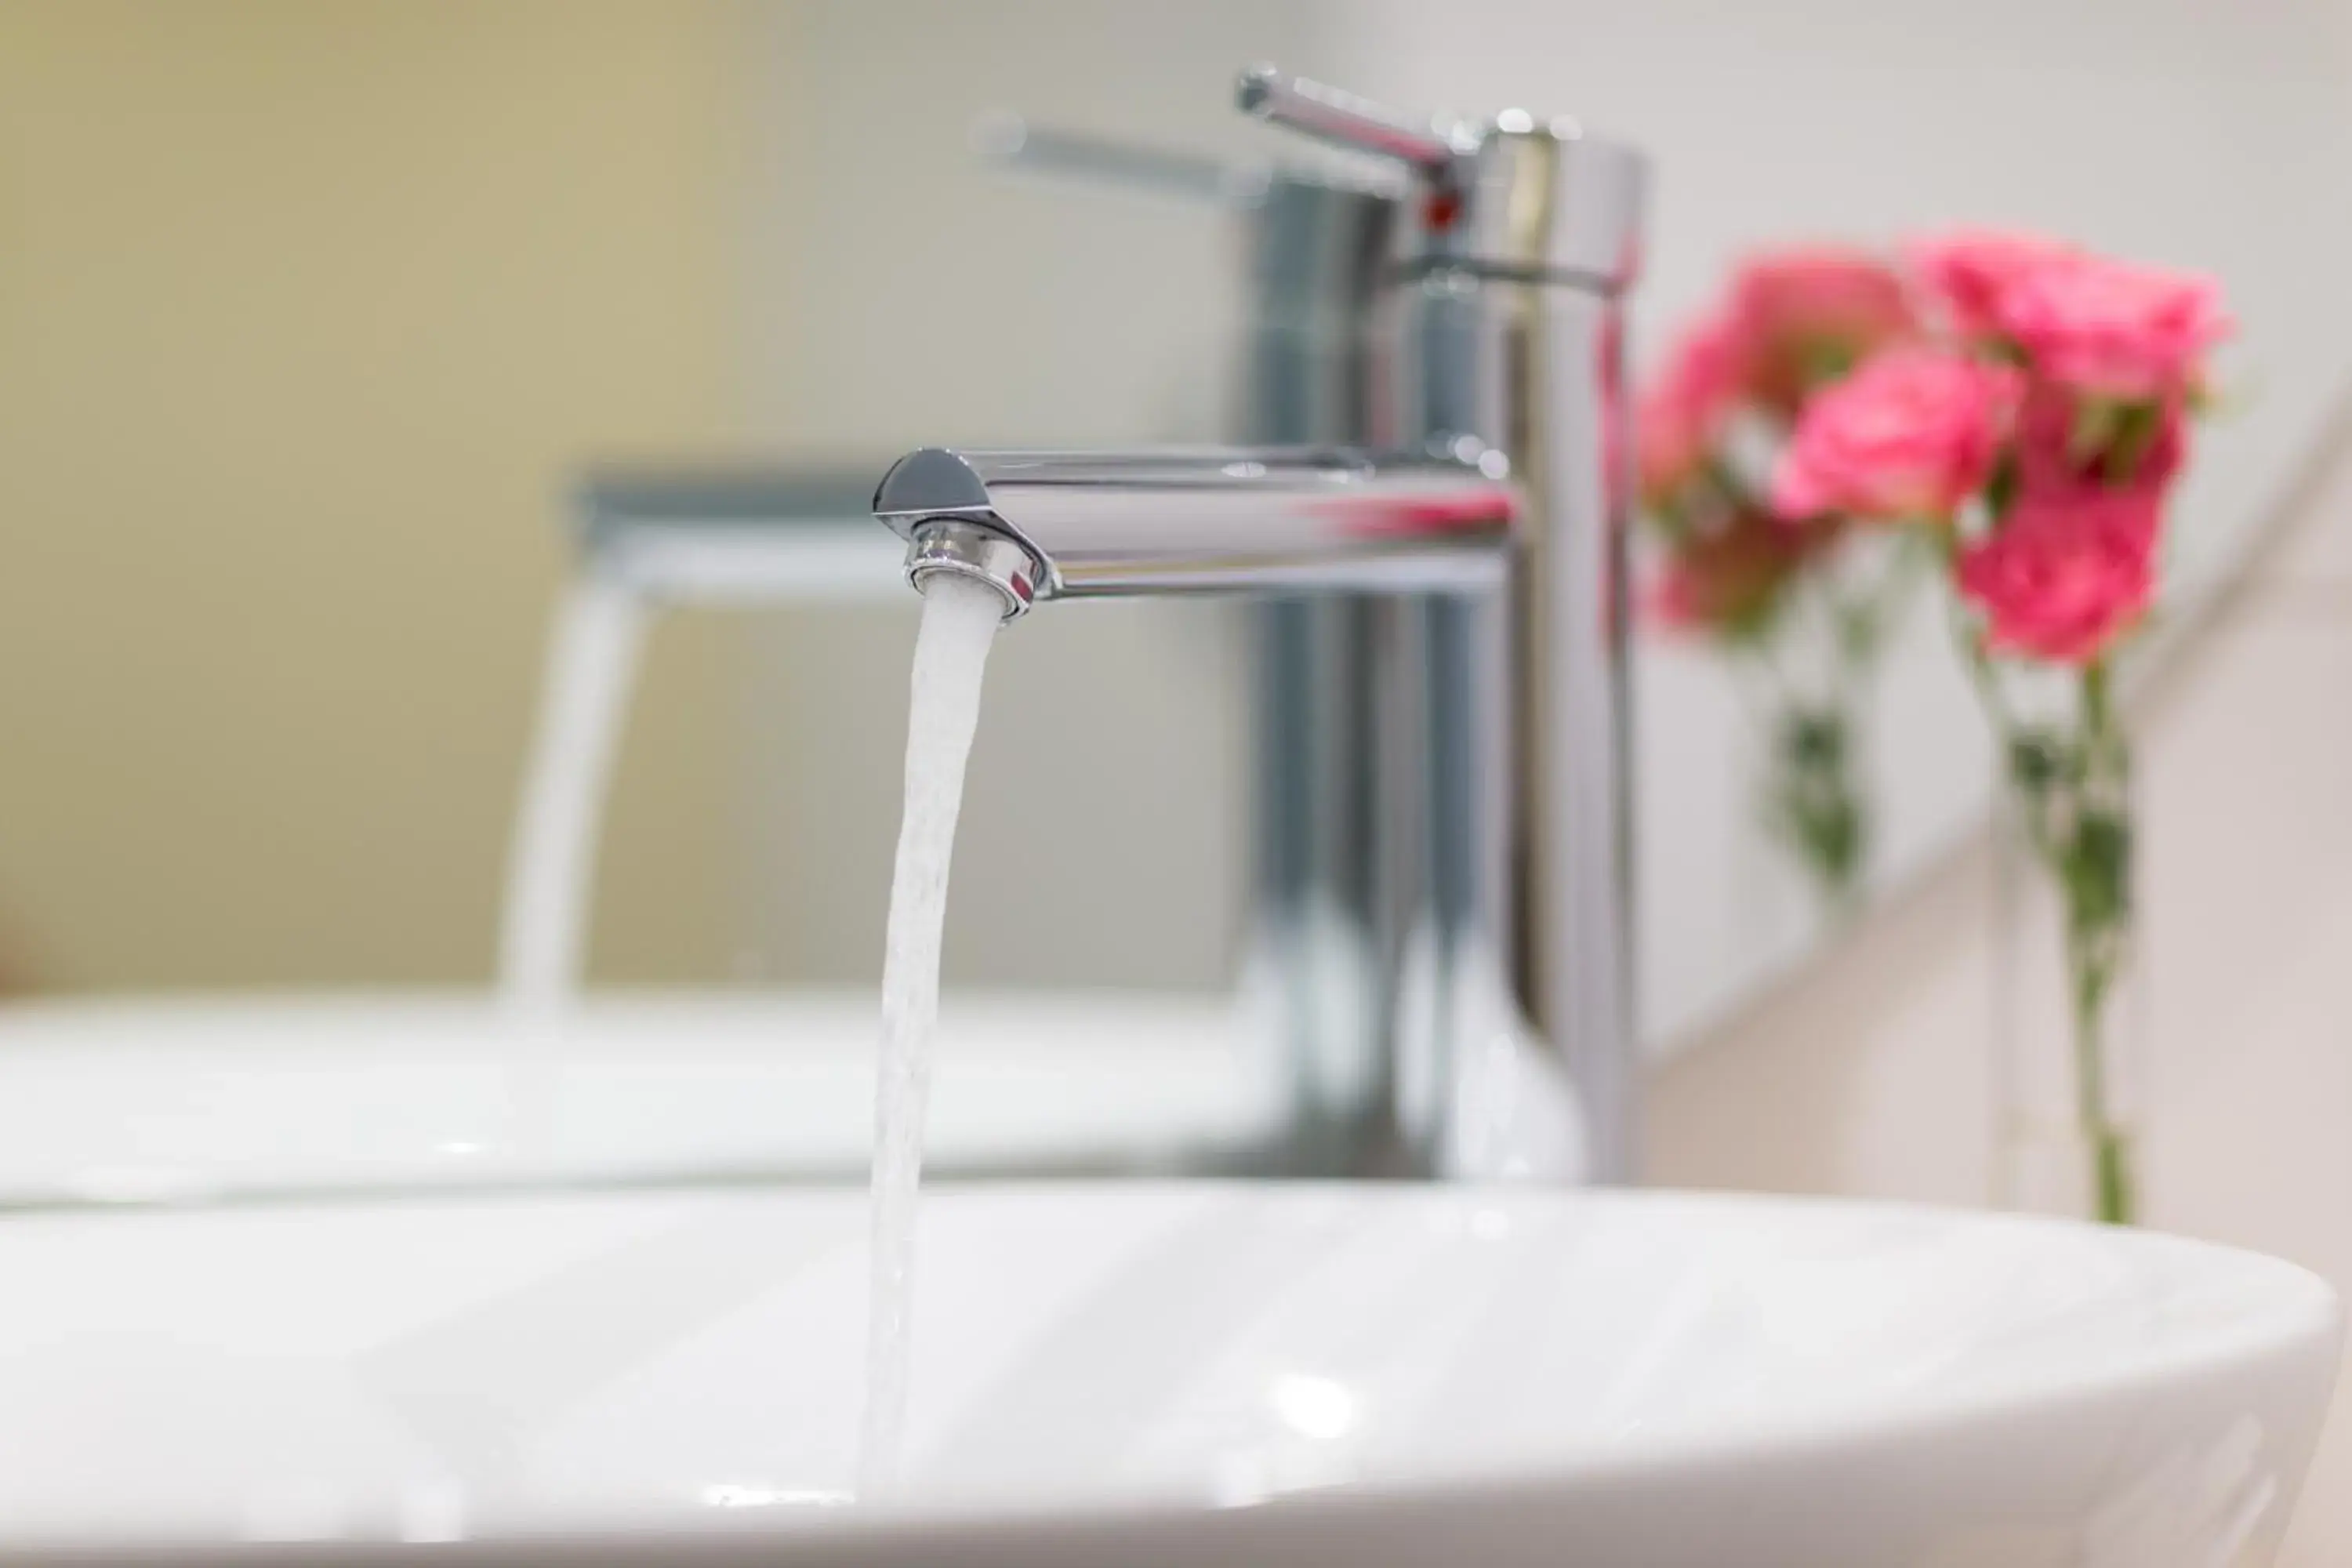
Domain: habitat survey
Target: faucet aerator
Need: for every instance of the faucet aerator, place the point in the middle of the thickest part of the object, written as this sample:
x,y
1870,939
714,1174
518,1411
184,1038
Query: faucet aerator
x,y
955,546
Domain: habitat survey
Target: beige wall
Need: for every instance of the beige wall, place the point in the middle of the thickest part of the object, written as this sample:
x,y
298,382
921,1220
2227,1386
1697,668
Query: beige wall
x,y
305,311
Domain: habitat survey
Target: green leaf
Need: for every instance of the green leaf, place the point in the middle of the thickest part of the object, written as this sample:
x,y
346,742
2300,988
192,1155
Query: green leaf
x,y
2037,761
2001,488
1814,741
1810,803
2136,428
2097,420
2098,871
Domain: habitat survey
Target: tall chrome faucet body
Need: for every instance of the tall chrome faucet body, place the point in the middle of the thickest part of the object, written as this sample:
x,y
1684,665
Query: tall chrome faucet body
x,y
1444,824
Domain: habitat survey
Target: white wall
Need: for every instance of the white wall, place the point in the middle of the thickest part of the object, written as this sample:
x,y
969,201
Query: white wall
x,y
1870,1075
2199,134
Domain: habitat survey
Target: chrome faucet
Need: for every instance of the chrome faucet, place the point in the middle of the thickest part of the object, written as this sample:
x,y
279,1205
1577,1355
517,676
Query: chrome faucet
x,y
1460,884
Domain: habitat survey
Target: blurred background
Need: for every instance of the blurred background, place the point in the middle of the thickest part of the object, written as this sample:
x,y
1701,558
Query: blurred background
x,y
311,316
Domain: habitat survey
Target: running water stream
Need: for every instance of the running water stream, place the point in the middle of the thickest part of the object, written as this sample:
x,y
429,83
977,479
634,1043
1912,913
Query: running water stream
x,y
960,621
592,663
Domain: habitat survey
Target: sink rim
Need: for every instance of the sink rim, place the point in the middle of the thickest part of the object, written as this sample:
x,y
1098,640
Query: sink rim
x,y
2299,1315
125,1100
2318,1311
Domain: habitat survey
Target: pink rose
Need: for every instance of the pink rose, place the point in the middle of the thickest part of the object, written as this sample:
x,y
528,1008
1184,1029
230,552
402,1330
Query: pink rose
x,y
1682,413
1810,314
2060,451
2065,575
1970,272
1912,433
2114,329
1726,578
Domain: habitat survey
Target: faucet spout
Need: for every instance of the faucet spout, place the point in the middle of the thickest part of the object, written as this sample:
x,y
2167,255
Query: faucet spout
x,y
1042,525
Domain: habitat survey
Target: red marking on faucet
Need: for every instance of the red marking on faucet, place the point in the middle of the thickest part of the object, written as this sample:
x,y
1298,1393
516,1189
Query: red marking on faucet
x,y
1385,516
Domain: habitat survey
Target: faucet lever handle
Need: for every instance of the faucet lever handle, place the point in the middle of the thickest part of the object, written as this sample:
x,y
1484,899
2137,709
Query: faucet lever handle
x,y
1012,143
1432,146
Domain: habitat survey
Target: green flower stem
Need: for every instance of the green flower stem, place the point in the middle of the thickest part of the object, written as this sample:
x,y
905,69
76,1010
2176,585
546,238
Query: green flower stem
x,y
2096,881
2072,794
1811,802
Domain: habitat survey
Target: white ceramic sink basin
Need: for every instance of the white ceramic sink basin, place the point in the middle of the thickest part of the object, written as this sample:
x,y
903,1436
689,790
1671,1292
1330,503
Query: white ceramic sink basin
x,y
189,1098
1152,1375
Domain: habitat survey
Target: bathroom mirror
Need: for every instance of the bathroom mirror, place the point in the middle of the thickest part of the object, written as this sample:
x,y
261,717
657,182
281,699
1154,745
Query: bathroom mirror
x,y
309,320
1852,122
1817,121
